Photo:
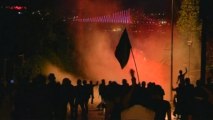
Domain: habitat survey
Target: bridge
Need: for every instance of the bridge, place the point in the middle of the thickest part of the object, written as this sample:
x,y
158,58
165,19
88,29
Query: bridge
x,y
129,16
118,17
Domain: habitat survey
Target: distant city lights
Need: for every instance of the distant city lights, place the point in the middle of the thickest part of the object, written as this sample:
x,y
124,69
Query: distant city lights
x,y
16,7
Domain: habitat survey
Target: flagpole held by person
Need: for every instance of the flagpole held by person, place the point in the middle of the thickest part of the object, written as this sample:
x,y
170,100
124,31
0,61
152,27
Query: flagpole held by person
x,y
123,50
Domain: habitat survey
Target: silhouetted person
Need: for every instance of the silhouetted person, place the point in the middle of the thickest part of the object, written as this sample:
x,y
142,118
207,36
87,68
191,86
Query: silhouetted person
x,y
131,100
124,87
39,99
179,101
209,90
188,98
91,88
64,93
181,77
143,85
200,104
86,95
102,93
79,100
53,95
132,73
161,107
114,110
143,92
66,96
71,99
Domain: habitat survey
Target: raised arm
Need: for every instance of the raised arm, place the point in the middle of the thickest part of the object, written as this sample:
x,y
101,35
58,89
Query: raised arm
x,y
185,71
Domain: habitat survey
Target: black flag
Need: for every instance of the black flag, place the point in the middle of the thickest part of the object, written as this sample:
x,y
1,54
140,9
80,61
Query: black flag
x,y
123,49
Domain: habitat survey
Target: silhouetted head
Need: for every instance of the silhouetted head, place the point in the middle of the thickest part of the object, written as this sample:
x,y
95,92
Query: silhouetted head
x,y
143,84
132,72
79,82
90,82
103,81
180,71
66,81
158,92
84,82
51,77
109,82
124,82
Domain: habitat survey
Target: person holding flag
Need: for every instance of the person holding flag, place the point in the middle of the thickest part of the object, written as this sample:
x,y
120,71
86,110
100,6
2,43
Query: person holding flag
x,y
123,50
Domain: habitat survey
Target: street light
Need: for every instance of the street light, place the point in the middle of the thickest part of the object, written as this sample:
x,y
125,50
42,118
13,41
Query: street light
x,y
189,43
172,42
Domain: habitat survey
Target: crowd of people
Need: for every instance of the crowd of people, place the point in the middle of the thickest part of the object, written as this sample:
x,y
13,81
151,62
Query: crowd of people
x,y
193,101
116,98
43,98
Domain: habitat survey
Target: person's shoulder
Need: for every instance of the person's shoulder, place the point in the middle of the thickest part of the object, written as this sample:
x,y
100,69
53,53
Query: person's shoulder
x,y
167,103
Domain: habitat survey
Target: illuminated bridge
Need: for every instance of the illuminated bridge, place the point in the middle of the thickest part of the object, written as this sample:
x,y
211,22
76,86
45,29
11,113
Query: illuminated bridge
x,y
118,17
130,16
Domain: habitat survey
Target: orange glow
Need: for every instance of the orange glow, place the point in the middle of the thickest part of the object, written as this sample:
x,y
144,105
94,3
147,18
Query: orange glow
x,y
95,44
59,73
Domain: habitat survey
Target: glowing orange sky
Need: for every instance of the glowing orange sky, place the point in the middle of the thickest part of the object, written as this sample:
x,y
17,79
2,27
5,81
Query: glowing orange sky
x,y
95,50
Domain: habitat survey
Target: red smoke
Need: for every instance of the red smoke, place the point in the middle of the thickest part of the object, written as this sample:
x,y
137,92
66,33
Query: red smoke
x,y
95,45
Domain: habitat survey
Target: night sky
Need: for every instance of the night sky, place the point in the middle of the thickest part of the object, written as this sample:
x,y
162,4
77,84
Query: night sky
x,y
15,28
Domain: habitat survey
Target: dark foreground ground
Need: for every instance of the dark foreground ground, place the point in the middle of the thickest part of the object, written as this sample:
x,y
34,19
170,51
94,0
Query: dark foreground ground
x,y
93,114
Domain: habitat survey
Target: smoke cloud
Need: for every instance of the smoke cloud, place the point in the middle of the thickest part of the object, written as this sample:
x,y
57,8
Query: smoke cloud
x,y
92,55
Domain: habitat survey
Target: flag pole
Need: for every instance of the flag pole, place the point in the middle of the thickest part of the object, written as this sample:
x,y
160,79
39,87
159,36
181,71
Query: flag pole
x,y
172,41
135,64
